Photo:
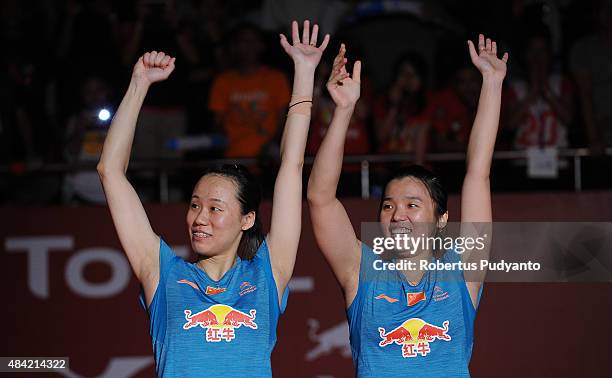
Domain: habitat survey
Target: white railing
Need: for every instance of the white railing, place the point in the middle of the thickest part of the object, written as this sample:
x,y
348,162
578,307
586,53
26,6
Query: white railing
x,y
165,167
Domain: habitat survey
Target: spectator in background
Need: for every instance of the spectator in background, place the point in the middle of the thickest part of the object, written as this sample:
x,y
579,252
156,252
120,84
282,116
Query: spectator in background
x,y
22,97
453,110
207,24
155,25
28,137
452,114
250,100
89,41
540,108
358,133
84,138
591,64
357,142
402,114
157,28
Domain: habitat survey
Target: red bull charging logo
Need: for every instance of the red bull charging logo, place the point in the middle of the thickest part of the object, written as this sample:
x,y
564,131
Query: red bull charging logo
x,y
220,322
414,335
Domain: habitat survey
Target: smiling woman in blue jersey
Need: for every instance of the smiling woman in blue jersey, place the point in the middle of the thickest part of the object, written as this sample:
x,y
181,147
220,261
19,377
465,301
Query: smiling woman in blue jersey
x,y
207,317
408,323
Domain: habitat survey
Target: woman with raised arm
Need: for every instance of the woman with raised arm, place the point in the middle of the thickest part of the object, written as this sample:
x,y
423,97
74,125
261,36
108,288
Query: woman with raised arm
x,y
408,322
226,305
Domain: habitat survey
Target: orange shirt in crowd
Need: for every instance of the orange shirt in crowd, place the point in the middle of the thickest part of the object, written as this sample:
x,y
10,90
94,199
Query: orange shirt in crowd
x,y
250,106
450,117
357,135
356,142
404,135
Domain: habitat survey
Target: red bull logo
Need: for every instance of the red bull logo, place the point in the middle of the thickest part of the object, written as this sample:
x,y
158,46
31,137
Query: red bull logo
x,y
220,322
414,335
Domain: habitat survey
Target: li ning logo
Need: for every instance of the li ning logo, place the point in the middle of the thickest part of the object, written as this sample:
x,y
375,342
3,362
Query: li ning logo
x,y
246,288
439,294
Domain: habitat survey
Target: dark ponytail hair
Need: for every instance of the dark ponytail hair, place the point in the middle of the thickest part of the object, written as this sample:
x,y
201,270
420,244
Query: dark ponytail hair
x,y
248,193
432,182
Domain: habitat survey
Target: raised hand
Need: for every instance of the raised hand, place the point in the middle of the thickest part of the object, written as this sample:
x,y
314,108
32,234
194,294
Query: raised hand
x,y
305,53
153,67
486,59
343,88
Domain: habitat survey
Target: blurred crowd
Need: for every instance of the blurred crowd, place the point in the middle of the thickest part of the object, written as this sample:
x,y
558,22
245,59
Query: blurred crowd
x,y
66,64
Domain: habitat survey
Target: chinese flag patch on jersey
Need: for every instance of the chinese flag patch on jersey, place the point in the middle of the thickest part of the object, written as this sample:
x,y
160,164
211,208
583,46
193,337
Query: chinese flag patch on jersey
x,y
414,298
214,290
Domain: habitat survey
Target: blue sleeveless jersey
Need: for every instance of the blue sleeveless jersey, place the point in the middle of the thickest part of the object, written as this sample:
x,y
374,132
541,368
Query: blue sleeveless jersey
x,y
205,328
401,330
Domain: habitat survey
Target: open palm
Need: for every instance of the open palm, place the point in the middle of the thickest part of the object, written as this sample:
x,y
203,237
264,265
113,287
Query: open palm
x,y
343,88
304,53
153,67
486,59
